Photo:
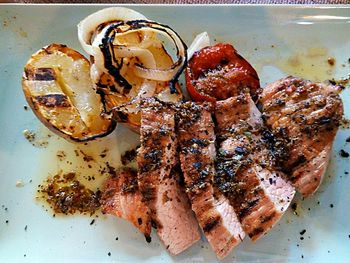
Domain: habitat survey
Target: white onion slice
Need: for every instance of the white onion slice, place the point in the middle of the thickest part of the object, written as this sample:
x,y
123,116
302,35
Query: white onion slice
x,y
88,26
200,41
169,73
144,55
108,39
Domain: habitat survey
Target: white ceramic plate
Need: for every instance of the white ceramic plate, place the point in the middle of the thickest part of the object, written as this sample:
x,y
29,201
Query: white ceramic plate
x,y
276,40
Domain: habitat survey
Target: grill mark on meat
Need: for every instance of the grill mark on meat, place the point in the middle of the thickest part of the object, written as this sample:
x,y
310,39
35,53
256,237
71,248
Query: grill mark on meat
x,y
310,117
121,197
246,169
256,232
159,179
268,217
211,223
246,210
197,153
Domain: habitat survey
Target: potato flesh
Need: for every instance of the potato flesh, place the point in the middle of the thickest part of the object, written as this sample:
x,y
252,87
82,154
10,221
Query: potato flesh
x,y
74,80
82,116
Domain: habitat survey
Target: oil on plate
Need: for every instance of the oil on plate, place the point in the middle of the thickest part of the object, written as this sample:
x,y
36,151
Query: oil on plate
x,y
277,40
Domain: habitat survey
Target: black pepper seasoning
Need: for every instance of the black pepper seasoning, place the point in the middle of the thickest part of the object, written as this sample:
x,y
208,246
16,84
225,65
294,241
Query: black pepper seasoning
x,y
109,254
344,153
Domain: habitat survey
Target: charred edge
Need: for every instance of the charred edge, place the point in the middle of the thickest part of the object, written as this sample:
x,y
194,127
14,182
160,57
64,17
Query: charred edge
x,y
245,211
294,166
211,224
148,193
100,135
40,74
255,232
268,218
53,100
131,186
136,24
155,224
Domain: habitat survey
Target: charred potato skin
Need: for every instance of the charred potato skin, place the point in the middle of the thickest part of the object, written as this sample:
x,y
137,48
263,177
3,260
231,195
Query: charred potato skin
x,y
54,101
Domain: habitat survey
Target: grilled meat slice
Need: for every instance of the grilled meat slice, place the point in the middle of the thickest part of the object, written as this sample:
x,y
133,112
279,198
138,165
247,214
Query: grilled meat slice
x,y
304,118
121,197
197,153
159,181
245,171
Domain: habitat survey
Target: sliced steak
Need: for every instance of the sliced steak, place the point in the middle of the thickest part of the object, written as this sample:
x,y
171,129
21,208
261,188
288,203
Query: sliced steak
x,y
159,181
304,118
197,153
245,171
121,197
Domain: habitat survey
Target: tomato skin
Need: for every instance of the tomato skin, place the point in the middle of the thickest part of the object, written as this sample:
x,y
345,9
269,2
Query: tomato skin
x,y
219,72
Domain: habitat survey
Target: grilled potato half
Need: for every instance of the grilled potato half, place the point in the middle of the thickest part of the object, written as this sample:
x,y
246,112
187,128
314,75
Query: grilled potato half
x,y
58,87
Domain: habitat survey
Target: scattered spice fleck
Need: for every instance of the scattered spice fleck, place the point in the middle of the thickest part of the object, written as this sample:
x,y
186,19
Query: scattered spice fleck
x,y
117,238
25,107
66,195
331,61
6,221
87,158
301,238
331,205
294,207
104,153
92,222
29,135
302,256
25,228
302,232
347,139
61,155
109,254
128,156
19,183
344,153
24,255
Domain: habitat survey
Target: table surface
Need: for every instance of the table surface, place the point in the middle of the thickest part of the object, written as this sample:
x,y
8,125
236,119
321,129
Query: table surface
x,y
185,1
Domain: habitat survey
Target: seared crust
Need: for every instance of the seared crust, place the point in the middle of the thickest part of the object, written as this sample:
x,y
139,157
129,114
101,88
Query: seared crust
x,y
197,153
304,118
245,171
159,180
122,197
